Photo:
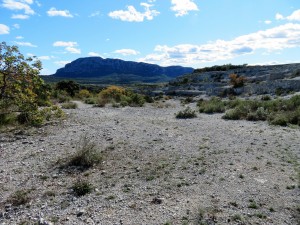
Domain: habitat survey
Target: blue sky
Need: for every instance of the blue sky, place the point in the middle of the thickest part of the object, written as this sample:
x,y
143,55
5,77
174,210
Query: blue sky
x,y
195,33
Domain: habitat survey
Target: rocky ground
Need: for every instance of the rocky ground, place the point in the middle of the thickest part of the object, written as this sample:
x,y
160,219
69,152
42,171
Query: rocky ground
x,y
156,170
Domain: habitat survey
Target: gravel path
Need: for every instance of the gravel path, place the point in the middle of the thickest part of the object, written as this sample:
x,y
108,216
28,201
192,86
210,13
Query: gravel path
x,y
156,170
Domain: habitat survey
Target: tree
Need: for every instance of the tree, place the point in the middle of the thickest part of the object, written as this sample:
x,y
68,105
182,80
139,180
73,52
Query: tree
x,y
20,84
71,87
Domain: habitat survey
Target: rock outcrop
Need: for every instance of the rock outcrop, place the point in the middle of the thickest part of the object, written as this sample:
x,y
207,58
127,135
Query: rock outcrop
x,y
97,67
273,79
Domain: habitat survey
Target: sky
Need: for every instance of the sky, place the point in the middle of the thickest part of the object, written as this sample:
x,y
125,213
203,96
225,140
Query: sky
x,y
196,33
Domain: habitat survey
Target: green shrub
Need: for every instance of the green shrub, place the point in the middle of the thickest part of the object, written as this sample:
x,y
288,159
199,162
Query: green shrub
x,y
69,105
61,96
148,99
232,114
259,114
70,86
7,118
115,94
84,93
82,187
87,154
187,113
277,112
37,118
214,105
265,98
91,101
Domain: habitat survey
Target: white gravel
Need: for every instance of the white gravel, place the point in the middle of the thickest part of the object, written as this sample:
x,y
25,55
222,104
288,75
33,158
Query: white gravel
x,y
157,170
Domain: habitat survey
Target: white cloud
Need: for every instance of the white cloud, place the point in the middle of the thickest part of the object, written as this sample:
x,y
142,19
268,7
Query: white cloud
x,y
45,57
182,7
94,54
126,52
18,5
73,50
19,37
267,21
70,46
38,3
62,63
279,16
295,16
274,39
132,15
65,44
26,44
4,29
20,16
16,26
54,12
94,14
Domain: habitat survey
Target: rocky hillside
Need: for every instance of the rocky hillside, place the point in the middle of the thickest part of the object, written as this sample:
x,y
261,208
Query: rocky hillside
x,y
116,70
274,79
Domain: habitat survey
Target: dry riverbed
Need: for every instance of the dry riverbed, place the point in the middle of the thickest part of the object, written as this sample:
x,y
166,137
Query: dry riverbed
x,y
156,170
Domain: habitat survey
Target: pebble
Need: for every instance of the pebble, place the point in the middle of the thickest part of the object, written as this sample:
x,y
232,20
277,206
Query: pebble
x,y
80,212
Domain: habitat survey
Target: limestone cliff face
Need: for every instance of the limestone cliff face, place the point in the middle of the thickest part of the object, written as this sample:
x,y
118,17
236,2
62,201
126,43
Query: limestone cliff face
x,y
99,67
259,80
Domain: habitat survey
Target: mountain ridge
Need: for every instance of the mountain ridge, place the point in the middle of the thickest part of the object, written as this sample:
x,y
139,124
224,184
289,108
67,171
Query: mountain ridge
x,y
99,67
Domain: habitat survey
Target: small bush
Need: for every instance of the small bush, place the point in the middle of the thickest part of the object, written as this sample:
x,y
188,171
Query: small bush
x,y
237,81
187,113
279,119
265,98
37,118
61,96
87,154
214,105
69,105
101,102
149,99
7,118
114,94
91,101
82,187
84,93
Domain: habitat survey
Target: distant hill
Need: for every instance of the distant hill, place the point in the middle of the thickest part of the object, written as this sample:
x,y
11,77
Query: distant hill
x,y
118,71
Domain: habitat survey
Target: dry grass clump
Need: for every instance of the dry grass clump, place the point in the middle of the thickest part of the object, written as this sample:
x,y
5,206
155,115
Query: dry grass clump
x,y
87,154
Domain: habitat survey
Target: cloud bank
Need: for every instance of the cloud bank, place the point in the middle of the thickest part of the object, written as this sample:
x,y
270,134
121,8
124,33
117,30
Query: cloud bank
x,y
132,15
277,38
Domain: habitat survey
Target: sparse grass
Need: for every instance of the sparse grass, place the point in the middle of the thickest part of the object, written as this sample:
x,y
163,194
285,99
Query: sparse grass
x,y
82,187
291,187
69,105
237,217
110,197
252,204
20,197
260,215
87,154
187,113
